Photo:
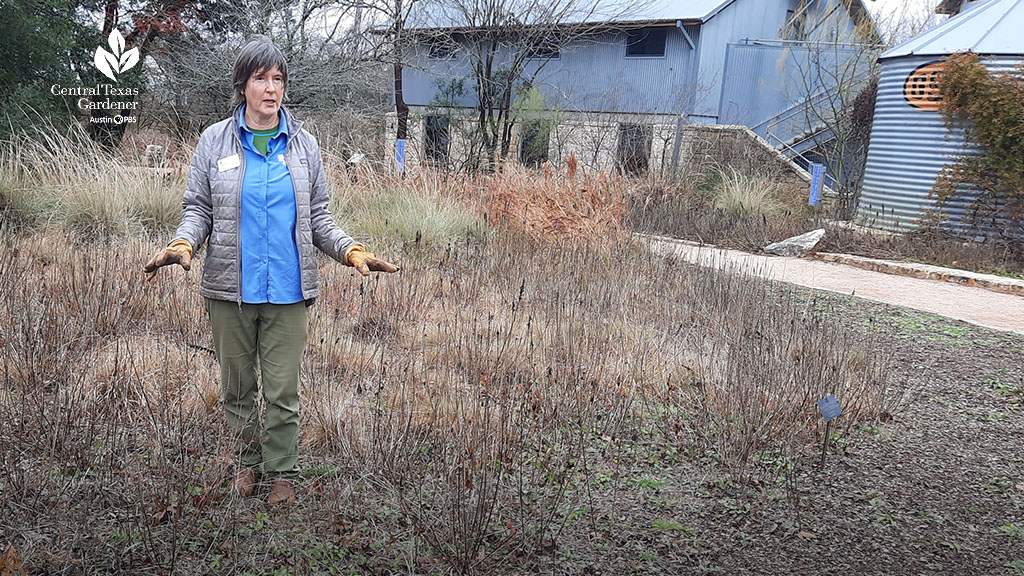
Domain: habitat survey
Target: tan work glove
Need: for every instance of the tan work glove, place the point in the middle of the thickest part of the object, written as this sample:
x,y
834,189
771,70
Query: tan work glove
x,y
357,257
179,252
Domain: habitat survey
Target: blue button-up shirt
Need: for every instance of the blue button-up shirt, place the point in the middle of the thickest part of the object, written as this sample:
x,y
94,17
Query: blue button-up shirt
x,y
270,256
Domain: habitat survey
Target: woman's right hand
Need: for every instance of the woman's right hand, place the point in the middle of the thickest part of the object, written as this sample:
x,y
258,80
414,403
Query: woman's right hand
x,y
179,252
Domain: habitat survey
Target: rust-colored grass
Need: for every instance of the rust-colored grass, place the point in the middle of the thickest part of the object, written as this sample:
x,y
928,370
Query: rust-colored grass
x,y
548,203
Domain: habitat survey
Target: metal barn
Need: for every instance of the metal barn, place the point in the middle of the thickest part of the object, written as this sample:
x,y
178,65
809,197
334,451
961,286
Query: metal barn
x,y
910,143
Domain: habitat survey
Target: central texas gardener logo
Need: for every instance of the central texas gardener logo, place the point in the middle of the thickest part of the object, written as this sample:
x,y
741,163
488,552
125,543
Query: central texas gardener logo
x,y
117,60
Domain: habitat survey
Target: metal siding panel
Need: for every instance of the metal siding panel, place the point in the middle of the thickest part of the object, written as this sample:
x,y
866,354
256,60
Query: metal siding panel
x,y
753,87
908,149
420,78
599,76
716,35
441,15
587,76
765,86
742,20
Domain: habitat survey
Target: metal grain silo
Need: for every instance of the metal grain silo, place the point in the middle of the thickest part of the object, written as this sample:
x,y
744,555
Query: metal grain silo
x,y
910,144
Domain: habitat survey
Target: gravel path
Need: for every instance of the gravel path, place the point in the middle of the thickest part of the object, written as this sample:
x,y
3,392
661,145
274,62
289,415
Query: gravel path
x,y
974,305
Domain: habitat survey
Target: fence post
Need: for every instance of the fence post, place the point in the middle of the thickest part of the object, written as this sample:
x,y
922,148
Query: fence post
x,y
676,145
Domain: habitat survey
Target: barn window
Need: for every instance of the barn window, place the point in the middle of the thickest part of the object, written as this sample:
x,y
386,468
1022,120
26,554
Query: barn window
x,y
646,42
534,143
436,136
634,153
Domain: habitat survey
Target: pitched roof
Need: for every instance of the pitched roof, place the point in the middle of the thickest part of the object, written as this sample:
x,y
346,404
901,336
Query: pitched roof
x,y
436,16
984,27
693,10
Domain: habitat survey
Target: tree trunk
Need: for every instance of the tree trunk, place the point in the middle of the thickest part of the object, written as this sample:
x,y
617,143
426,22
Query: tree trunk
x,y
400,107
109,17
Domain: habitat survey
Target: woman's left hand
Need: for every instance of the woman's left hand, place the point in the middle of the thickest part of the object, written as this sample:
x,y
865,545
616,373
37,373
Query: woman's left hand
x,y
365,262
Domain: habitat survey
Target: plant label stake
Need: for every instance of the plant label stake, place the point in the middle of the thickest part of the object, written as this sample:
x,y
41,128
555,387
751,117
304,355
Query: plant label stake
x,y
400,155
817,171
829,408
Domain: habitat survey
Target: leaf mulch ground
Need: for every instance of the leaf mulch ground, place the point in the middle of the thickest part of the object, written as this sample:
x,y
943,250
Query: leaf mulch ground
x,y
938,489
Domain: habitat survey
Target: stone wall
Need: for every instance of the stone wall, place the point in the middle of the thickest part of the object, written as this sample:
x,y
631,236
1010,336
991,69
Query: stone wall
x,y
705,147
593,138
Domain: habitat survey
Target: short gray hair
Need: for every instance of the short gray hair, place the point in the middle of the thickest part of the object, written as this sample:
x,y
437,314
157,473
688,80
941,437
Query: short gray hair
x,y
257,55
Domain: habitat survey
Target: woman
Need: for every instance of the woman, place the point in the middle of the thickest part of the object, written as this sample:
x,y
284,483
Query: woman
x,y
257,191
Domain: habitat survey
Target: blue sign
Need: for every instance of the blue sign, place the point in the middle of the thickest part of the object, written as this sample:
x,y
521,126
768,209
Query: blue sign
x,y
400,155
829,407
817,171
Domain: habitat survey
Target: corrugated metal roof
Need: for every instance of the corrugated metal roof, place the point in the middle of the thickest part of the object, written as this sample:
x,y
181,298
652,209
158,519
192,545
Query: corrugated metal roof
x,y
437,15
698,10
990,27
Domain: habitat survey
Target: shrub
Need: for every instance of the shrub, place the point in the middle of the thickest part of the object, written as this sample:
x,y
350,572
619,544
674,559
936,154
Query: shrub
x,y
546,203
989,108
464,403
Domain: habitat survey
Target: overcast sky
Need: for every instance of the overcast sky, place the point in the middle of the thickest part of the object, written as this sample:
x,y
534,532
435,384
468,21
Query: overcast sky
x,y
909,15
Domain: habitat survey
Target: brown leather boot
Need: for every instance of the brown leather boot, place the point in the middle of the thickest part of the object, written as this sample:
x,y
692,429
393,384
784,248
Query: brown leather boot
x,y
281,492
244,483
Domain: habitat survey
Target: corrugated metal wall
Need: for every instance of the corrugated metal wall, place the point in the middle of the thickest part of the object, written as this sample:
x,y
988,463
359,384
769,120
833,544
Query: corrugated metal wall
x,y
591,76
749,19
909,147
756,19
752,90
767,87
596,75
599,77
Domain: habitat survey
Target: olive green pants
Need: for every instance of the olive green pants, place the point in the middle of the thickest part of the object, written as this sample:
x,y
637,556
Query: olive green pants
x,y
269,338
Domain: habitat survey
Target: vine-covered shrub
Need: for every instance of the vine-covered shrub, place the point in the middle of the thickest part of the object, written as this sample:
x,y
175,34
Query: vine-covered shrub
x,y
990,109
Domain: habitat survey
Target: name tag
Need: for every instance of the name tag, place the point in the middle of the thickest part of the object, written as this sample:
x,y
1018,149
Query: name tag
x,y
280,158
228,163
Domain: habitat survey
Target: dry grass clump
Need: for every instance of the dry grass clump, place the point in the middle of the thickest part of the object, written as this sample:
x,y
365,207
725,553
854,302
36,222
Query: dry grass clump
x,y
69,180
761,364
147,372
420,207
405,214
679,213
437,206
747,195
930,246
726,206
746,212
483,375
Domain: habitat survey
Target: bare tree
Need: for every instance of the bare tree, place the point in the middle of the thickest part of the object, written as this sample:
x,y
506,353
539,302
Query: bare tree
x,y
506,44
833,56
331,74
387,21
